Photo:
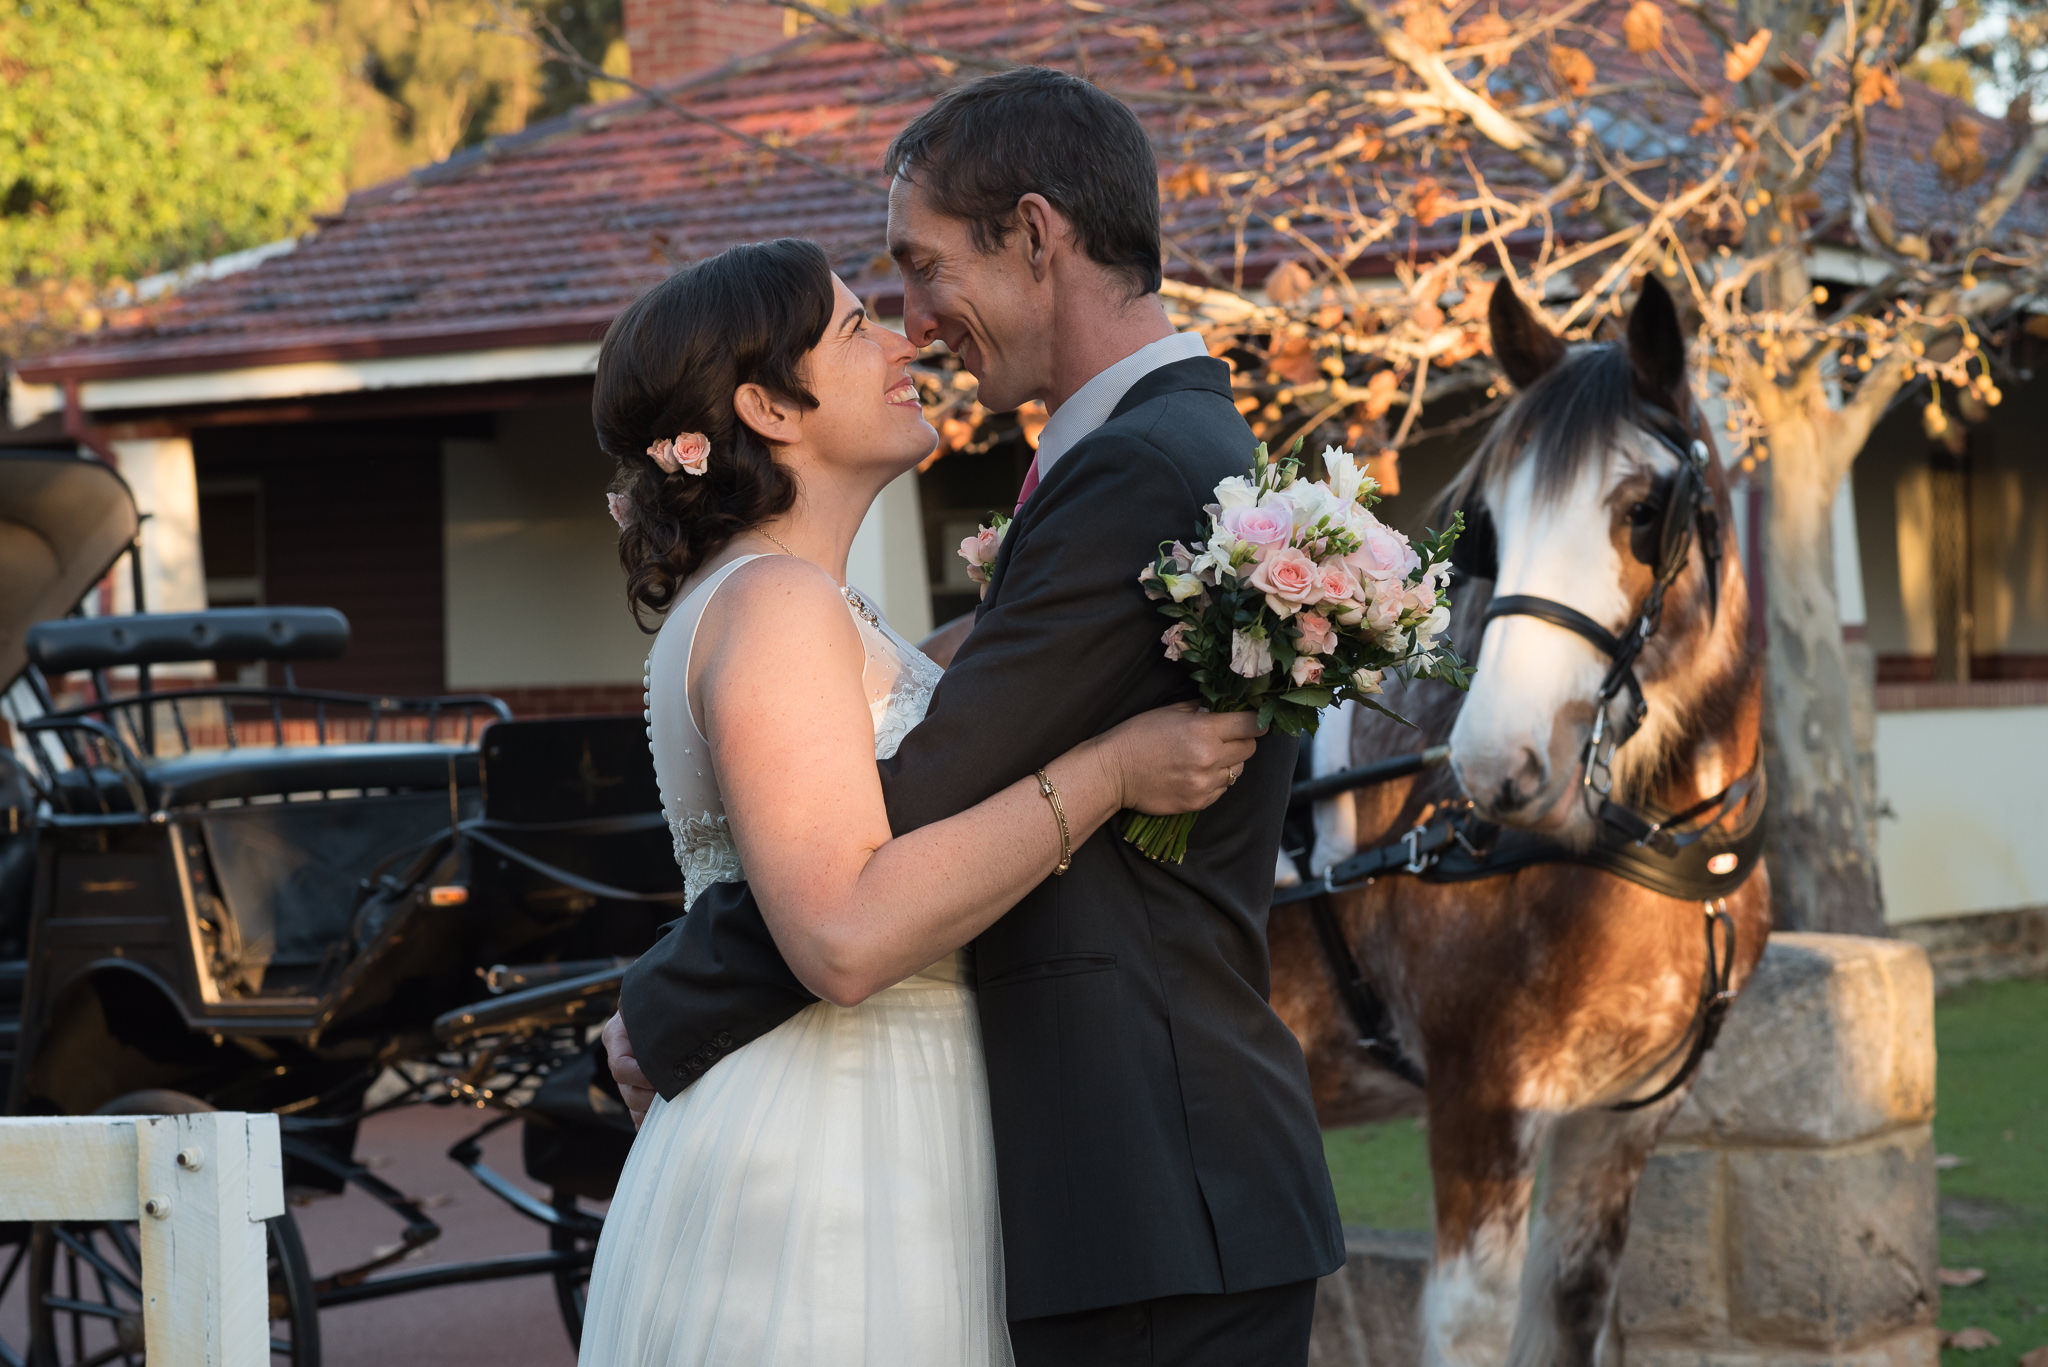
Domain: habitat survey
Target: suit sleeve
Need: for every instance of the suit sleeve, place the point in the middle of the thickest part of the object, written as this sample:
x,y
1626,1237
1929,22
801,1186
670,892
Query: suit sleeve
x,y
1070,644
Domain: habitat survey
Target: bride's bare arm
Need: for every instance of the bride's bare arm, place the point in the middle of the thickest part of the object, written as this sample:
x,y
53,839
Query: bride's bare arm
x,y
852,909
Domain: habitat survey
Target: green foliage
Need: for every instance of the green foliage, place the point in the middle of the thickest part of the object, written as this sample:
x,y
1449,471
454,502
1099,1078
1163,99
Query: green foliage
x,y
141,134
435,76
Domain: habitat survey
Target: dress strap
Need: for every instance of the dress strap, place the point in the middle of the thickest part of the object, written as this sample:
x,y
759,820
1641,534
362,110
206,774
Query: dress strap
x,y
686,617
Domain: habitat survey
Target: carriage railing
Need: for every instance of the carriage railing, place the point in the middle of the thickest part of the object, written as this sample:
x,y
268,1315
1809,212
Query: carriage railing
x,y
122,734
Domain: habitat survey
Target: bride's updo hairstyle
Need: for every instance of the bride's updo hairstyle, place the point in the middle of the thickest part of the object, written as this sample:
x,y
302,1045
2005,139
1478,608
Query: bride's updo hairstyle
x,y
669,365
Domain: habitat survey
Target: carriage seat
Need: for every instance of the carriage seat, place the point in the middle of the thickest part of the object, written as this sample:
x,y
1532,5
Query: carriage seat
x,y
252,772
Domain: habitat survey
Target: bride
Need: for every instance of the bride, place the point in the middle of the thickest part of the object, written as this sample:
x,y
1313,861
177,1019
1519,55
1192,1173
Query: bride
x,y
825,1194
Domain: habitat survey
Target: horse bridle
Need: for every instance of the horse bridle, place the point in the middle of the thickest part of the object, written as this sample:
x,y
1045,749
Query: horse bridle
x,y
1690,511
1663,853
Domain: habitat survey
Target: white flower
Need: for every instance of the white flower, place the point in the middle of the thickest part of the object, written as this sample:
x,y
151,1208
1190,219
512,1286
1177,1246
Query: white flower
x,y
1214,565
1250,655
1368,680
1236,492
1314,504
1344,472
1181,586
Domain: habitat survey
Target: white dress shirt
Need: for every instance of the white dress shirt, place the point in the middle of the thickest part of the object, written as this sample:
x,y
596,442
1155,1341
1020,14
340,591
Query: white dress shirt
x,y
1093,402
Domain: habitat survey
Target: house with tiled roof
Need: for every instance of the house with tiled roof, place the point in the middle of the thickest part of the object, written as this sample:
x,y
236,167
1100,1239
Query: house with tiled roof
x,y
390,414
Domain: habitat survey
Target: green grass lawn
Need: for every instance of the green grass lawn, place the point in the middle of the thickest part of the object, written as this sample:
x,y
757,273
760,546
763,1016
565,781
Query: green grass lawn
x,y
1992,1112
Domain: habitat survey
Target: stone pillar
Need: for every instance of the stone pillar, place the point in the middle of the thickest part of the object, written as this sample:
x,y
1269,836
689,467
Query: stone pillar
x,y
1788,1219
1789,1215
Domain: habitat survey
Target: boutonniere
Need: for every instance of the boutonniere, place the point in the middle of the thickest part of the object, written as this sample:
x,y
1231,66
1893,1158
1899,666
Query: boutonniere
x,y
980,550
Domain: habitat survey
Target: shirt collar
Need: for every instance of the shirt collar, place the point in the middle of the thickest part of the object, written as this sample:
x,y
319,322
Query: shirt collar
x,y
1093,402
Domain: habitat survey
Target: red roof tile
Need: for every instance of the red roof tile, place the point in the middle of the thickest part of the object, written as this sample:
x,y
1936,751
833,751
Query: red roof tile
x,y
543,236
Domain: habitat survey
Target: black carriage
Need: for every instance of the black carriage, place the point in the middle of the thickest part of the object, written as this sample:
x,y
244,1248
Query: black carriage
x,y
265,897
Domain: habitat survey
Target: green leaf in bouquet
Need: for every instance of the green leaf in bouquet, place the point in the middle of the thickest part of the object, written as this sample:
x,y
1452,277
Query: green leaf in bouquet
x,y
1376,705
1310,697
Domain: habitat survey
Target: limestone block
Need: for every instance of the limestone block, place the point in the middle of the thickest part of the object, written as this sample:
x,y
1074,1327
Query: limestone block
x,y
1831,1041
1913,1348
1371,1311
1832,1247
1671,1281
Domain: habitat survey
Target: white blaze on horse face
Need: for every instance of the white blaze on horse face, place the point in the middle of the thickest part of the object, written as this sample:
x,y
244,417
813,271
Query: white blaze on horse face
x,y
1518,738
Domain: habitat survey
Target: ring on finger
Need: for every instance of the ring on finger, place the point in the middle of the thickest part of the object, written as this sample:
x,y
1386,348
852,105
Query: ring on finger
x,y
1230,775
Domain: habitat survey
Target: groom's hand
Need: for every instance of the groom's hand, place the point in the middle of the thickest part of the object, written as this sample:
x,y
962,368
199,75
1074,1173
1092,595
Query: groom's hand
x,y
634,1087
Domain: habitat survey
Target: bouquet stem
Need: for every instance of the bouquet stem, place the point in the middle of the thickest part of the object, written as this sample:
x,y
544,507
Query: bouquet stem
x,y
1164,838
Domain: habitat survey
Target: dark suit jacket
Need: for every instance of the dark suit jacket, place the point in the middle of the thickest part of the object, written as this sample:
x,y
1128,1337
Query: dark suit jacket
x,y
1153,1128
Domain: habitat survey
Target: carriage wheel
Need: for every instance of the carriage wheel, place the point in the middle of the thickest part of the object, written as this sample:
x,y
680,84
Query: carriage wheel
x,y
572,1285
85,1279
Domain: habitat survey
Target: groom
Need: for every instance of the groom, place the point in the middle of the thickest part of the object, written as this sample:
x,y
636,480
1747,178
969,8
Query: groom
x,y
1163,1192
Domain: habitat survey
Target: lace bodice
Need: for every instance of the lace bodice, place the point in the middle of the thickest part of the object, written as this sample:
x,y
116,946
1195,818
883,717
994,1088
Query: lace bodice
x,y
898,678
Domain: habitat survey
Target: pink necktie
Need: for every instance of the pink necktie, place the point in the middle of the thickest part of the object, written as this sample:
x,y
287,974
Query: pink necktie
x,y
1030,483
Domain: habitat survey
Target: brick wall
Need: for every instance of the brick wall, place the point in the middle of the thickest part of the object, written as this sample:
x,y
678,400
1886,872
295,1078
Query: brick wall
x,y
672,39
572,700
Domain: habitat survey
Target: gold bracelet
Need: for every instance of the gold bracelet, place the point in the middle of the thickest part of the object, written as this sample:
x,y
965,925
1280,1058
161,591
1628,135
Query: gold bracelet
x,y
1052,795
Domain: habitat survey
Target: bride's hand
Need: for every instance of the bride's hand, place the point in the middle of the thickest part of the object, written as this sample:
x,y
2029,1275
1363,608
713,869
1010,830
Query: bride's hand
x,y
1179,759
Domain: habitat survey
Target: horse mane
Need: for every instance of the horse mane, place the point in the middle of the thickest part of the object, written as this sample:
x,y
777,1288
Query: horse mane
x,y
1562,422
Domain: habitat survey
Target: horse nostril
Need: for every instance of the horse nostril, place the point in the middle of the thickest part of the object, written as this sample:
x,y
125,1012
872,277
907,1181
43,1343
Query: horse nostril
x,y
1509,798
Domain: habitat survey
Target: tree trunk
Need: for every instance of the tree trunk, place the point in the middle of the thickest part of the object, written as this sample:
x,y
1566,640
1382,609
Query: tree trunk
x,y
1823,872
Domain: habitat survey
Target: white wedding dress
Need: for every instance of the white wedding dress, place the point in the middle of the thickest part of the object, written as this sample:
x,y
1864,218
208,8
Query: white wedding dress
x,y
824,1196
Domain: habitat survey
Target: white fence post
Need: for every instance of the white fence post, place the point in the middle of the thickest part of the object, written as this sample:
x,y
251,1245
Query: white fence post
x,y
200,1186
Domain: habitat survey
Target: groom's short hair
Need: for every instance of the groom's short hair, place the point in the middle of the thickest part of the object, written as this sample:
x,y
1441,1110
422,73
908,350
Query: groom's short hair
x,y
983,146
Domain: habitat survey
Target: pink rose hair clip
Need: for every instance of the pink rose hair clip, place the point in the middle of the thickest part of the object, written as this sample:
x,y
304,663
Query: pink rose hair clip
x,y
690,453
621,509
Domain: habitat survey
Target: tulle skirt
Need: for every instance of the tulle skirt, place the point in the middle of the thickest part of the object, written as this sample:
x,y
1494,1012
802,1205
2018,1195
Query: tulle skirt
x,y
823,1197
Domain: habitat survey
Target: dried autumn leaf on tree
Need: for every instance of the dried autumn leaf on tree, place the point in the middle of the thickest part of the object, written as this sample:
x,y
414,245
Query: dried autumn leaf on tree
x,y
1959,152
1713,109
1488,28
1642,28
1425,23
1573,67
1878,85
1430,201
1289,281
1737,65
1189,178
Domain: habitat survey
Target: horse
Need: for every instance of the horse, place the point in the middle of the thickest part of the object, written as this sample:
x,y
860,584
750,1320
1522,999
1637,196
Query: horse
x,y
1548,1002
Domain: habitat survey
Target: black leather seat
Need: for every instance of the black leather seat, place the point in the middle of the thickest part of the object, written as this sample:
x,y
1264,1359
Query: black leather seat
x,y
260,771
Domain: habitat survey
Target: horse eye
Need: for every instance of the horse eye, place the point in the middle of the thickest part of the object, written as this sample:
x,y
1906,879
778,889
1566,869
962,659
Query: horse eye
x,y
1641,514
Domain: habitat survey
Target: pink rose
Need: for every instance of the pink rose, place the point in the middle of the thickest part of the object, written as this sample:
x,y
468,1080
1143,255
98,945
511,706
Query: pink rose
x,y
979,551
1267,528
1307,670
1175,640
1289,580
1318,637
1419,598
1384,553
693,449
1336,580
689,452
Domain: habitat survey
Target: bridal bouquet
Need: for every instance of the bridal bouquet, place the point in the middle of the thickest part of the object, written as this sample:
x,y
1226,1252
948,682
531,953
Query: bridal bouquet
x,y
1297,597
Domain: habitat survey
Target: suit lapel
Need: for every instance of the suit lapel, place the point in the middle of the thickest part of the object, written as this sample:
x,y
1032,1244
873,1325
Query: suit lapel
x,y
1198,372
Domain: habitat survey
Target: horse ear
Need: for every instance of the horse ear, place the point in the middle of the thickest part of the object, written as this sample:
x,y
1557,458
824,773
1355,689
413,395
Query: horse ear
x,y
1656,343
1525,348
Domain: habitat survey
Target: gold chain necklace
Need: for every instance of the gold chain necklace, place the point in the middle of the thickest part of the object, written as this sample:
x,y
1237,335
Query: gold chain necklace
x,y
852,595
